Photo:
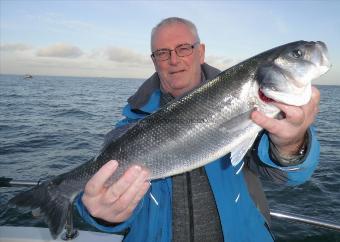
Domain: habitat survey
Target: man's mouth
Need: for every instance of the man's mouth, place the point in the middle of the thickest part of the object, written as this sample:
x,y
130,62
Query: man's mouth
x,y
176,72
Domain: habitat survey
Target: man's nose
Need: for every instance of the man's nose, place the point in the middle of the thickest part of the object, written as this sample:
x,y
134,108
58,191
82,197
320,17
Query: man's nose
x,y
173,58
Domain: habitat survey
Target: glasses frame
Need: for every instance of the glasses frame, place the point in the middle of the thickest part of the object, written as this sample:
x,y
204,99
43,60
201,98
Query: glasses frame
x,y
192,46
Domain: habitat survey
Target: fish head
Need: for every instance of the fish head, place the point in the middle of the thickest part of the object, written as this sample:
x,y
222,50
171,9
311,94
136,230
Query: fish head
x,y
286,76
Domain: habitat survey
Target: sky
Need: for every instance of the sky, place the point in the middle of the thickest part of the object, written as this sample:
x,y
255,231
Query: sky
x,y
106,38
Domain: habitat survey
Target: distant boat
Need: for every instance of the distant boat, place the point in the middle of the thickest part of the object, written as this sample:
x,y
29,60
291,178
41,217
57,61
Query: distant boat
x,y
28,76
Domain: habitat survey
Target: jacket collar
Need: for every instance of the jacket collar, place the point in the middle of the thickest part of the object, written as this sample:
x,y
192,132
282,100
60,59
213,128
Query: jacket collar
x,y
147,98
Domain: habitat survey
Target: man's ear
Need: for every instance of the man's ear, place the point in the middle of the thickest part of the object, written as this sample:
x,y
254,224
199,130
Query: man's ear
x,y
202,52
154,63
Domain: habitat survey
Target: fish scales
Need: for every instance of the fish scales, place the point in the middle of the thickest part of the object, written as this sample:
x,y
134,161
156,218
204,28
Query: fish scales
x,y
188,133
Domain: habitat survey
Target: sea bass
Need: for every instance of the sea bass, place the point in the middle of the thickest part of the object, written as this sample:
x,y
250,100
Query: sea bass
x,y
200,127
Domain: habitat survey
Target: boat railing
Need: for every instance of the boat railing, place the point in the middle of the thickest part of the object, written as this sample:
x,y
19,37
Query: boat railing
x,y
71,232
305,219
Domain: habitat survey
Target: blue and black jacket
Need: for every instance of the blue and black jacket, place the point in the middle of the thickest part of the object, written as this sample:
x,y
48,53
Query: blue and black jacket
x,y
240,199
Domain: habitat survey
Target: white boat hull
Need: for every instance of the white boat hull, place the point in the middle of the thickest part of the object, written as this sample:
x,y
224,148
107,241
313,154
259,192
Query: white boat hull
x,y
34,234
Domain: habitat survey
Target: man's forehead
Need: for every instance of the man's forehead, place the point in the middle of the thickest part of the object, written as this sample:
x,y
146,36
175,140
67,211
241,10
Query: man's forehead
x,y
171,35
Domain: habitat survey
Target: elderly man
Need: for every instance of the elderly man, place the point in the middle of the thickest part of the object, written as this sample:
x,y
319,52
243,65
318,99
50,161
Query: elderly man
x,y
209,203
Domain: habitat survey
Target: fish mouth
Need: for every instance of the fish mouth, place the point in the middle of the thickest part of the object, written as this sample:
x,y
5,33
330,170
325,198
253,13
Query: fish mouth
x,y
263,97
325,62
295,99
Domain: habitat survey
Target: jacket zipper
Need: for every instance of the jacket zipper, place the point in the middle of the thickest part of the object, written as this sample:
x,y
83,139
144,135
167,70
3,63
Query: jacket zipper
x,y
190,207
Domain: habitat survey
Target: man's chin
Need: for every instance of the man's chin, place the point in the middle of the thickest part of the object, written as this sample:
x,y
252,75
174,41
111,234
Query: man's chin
x,y
178,84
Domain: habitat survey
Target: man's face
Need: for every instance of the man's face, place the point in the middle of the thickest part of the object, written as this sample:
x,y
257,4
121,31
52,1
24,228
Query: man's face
x,y
178,75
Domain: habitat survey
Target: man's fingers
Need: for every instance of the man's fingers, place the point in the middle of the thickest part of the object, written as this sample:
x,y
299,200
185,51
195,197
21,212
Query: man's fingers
x,y
315,94
122,215
313,108
293,114
123,184
97,182
265,122
130,195
141,192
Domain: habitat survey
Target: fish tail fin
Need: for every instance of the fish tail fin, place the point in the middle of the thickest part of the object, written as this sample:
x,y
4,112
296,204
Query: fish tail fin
x,y
52,203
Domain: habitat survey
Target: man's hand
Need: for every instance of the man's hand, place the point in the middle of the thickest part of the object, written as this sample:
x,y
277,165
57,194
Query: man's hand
x,y
288,134
115,203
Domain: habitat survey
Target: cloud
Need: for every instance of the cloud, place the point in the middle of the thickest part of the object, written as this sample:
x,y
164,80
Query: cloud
x,y
101,61
220,62
124,55
15,47
61,50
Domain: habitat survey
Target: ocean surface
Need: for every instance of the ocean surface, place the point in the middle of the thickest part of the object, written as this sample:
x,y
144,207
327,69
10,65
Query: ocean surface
x,y
48,125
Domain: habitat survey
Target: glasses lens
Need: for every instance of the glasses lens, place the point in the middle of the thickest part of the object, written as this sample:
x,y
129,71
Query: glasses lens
x,y
161,54
184,50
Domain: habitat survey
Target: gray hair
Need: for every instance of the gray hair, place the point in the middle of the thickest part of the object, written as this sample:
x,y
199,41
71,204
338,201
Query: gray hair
x,y
175,20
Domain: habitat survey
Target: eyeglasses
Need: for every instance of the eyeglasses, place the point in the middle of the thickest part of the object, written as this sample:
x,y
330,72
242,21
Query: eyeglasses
x,y
181,51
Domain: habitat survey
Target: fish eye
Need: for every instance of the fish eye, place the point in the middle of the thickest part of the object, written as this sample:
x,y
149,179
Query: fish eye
x,y
297,53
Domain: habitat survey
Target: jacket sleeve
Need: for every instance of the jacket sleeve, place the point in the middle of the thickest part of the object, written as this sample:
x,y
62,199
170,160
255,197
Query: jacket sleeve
x,y
120,228
262,163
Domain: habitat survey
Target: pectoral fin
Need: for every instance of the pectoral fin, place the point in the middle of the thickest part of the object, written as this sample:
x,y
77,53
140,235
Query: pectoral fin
x,y
239,152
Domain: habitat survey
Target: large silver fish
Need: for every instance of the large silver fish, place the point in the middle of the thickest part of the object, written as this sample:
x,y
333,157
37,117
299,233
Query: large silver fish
x,y
206,124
